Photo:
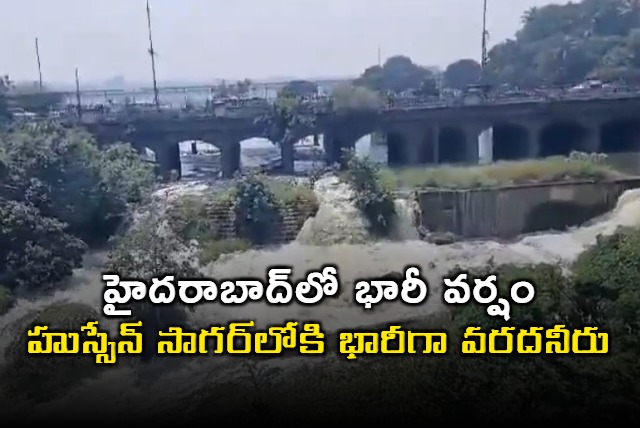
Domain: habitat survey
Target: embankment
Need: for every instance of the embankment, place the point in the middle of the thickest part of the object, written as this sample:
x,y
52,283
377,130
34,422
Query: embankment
x,y
509,211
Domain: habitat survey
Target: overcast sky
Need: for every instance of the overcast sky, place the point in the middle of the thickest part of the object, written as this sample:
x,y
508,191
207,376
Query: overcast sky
x,y
206,39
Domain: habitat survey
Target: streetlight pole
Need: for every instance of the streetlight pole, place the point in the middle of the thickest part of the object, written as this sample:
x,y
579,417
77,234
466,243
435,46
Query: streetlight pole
x,y
152,53
39,65
483,59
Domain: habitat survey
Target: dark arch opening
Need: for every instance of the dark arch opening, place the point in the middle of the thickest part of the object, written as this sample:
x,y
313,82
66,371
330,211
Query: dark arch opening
x,y
561,138
168,162
200,159
395,149
510,142
620,136
452,145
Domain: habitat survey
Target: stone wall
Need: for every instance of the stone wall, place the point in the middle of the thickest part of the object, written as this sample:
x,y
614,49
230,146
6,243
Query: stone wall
x,y
509,211
286,226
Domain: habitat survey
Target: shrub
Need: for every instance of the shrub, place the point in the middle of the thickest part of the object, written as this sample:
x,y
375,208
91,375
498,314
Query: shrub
x,y
292,194
256,210
36,251
190,218
149,250
125,173
373,198
605,277
63,174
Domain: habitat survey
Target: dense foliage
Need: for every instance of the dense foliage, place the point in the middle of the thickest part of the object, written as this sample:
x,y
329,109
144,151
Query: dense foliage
x,y
372,197
398,74
557,45
566,44
59,192
256,210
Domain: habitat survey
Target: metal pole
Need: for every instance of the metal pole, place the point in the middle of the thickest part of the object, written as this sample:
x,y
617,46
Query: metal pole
x,y
39,65
379,57
78,101
484,35
153,60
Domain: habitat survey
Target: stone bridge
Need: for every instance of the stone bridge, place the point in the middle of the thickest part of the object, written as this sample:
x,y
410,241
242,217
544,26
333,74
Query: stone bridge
x,y
415,136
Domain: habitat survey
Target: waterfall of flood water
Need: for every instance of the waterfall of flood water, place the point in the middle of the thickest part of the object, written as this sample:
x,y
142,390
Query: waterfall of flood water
x,y
338,220
485,146
354,261
405,225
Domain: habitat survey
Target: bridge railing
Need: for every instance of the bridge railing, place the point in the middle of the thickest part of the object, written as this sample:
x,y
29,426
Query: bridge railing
x,y
251,107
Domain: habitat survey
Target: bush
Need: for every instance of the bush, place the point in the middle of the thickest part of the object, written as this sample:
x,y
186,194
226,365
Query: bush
x,y
125,173
373,198
605,278
36,251
190,218
256,210
63,174
294,195
149,250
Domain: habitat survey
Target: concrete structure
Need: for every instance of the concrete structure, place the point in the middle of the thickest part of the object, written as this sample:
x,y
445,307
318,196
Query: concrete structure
x,y
422,134
509,211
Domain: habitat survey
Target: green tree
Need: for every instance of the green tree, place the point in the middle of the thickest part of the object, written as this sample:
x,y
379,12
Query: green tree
x,y
398,74
299,88
566,44
57,189
62,173
460,74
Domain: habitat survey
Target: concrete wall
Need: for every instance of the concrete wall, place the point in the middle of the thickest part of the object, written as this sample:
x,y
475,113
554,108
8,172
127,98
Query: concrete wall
x,y
509,211
286,227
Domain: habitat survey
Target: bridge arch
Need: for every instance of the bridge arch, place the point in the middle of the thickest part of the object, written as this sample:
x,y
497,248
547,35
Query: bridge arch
x,y
619,136
452,143
357,137
199,159
260,153
164,154
510,141
396,150
561,138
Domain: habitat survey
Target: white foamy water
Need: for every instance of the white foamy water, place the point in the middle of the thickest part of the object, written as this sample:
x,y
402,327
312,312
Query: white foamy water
x,y
315,247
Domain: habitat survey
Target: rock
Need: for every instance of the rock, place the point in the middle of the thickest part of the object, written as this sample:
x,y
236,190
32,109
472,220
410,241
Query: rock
x,y
42,377
441,238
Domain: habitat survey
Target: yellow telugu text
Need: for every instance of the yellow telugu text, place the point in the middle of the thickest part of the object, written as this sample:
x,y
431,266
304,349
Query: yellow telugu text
x,y
392,341
535,340
237,338
234,339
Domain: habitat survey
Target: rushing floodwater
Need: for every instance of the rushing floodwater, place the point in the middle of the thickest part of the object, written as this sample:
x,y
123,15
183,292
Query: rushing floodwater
x,y
337,235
